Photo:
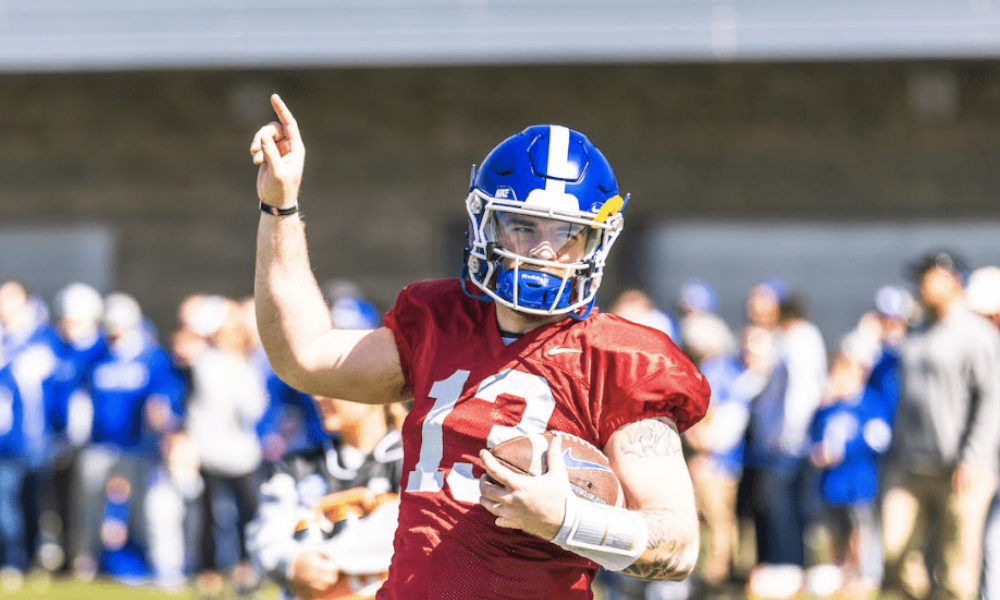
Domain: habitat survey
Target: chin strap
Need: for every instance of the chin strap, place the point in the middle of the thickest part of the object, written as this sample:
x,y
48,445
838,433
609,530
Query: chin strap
x,y
610,536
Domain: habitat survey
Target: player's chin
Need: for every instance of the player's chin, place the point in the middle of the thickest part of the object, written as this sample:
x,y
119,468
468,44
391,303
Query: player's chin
x,y
533,318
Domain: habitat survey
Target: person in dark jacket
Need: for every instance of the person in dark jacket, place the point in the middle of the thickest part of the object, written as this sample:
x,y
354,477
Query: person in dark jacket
x,y
327,516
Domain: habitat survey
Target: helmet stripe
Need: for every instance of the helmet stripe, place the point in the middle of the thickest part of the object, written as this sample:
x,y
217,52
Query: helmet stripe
x,y
558,163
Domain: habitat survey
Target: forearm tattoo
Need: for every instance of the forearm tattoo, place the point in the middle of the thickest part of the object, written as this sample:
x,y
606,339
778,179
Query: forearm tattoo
x,y
651,437
668,537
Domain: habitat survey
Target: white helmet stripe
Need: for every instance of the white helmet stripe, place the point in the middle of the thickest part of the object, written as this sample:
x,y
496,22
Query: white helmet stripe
x,y
558,159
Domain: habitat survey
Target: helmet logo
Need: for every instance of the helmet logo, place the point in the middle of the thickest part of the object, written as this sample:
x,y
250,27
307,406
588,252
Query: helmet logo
x,y
611,207
535,278
505,193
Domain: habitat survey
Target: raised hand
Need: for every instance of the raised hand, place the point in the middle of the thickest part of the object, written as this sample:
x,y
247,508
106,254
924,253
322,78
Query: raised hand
x,y
277,147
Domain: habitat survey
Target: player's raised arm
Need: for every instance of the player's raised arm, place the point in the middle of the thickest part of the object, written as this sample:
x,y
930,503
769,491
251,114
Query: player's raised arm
x,y
292,316
648,459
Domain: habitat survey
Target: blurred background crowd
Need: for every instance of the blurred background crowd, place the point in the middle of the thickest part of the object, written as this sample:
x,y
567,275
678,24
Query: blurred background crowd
x,y
846,467
833,466
140,454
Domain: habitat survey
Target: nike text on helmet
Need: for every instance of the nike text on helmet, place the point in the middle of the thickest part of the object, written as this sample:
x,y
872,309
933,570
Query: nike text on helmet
x,y
544,210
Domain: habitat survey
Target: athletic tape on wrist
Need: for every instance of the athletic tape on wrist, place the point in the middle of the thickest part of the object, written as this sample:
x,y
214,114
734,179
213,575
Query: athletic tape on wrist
x,y
610,536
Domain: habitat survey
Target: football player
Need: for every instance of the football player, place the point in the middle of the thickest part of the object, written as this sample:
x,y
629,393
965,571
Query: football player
x,y
512,347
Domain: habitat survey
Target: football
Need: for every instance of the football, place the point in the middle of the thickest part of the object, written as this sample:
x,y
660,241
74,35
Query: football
x,y
590,474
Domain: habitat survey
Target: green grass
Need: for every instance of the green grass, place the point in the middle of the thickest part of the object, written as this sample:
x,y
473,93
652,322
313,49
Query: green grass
x,y
42,588
39,588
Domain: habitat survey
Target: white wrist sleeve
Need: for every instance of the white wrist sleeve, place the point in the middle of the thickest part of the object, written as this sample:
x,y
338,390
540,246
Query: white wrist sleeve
x,y
610,536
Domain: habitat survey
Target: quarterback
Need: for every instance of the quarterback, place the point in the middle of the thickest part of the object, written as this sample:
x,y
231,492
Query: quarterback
x,y
513,347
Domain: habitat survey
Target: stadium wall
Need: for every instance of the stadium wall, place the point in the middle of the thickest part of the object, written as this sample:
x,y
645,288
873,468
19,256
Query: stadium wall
x,y
160,158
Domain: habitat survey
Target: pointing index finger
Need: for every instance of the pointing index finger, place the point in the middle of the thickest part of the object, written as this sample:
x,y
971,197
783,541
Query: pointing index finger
x,y
287,120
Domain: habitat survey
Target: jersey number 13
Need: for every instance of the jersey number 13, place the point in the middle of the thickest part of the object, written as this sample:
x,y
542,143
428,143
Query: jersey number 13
x,y
539,404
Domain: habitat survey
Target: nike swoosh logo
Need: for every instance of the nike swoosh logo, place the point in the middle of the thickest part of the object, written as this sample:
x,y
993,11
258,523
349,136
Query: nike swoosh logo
x,y
561,350
573,462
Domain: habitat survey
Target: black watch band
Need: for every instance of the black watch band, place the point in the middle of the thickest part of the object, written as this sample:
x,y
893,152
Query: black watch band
x,y
274,211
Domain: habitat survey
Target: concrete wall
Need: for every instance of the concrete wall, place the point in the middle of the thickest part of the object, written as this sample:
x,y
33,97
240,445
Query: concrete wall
x,y
160,158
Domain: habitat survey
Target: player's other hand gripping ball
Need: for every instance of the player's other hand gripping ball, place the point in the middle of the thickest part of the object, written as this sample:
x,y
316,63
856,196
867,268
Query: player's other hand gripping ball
x,y
590,474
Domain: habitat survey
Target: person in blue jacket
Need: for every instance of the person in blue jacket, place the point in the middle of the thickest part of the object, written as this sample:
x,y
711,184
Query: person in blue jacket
x,y
894,309
137,397
78,344
717,443
849,433
32,348
13,465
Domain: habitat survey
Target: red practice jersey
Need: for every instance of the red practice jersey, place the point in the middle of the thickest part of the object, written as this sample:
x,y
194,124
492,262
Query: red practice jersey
x,y
471,391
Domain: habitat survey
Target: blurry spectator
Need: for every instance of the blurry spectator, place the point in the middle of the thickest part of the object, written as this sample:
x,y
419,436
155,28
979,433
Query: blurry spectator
x,y
718,440
226,400
13,465
801,349
848,435
778,445
255,355
189,340
30,348
78,309
80,344
291,421
176,492
983,293
354,313
328,515
174,497
636,306
348,306
696,297
895,309
136,397
942,471
336,289
21,315
764,303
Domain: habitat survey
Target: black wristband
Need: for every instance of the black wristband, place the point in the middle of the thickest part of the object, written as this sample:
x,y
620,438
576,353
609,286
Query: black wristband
x,y
274,211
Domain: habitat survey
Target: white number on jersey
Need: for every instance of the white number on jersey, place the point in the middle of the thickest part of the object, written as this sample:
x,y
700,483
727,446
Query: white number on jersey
x,y
539,404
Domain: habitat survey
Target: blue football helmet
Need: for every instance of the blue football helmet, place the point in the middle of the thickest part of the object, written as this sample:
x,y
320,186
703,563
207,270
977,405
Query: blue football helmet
x,y
544,210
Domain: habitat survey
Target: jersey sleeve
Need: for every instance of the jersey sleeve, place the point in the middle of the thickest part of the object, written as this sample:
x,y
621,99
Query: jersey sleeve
x,y
406,320
659,381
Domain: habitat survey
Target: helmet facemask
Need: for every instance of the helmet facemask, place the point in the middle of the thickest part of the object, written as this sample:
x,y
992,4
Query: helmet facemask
x,y
535,260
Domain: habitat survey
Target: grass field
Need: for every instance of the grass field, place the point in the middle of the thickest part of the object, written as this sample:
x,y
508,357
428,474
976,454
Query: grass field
x,y
69,589
39,588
